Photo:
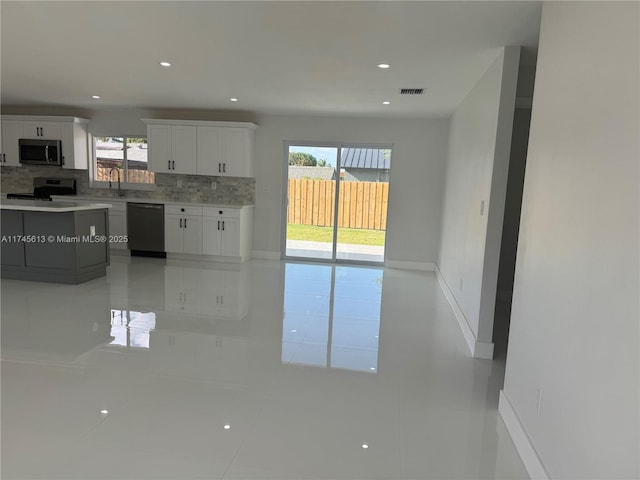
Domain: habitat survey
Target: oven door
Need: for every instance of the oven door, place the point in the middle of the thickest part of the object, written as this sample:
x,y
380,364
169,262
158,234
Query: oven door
x,y
40,152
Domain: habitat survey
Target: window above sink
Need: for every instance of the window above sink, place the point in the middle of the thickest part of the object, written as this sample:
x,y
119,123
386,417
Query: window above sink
x,y
128,155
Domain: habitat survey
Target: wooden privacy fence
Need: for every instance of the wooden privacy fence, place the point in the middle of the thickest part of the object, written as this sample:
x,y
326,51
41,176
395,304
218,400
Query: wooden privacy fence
x,y
360,204
136,173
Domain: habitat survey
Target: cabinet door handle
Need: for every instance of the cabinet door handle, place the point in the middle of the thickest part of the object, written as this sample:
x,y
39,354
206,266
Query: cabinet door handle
x,y
168,164
224,168
223,224
219,168
218,224
180,223
185,223
173,164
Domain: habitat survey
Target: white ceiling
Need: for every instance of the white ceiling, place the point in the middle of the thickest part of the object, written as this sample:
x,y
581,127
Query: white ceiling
x,y
276,57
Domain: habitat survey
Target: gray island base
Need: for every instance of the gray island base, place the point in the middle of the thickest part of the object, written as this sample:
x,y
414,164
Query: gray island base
x,y
58,242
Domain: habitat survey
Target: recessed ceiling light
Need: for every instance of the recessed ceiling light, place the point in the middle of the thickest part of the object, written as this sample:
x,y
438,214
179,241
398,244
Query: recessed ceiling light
x,y
227,427
97,97
365,446
233,99
383,66
165,64
386,102
104,412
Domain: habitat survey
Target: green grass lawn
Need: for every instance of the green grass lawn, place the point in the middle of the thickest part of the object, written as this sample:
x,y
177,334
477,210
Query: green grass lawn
x,y
355,236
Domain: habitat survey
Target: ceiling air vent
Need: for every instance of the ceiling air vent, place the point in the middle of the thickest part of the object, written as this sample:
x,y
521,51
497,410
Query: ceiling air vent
x,y
411,91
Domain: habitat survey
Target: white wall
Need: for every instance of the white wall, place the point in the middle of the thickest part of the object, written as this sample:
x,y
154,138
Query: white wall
x,y
416,185
574,327
477,167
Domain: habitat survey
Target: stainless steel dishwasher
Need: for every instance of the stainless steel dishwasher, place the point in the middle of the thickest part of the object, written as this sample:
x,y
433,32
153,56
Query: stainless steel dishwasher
x,y
145,228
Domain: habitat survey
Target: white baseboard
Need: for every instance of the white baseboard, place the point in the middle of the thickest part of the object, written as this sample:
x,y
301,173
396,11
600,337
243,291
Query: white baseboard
x,y
478,349
202,258
424,266
266,255
521,440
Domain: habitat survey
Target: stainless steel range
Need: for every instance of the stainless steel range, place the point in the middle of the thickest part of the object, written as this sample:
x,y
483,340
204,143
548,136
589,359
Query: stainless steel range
x,y
44,187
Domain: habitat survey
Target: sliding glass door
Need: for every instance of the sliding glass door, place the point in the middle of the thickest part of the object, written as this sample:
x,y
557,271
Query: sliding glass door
x,y
337,202
362,203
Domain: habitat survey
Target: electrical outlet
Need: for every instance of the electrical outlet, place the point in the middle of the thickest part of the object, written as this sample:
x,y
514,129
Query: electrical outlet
x,y
539,405
213,185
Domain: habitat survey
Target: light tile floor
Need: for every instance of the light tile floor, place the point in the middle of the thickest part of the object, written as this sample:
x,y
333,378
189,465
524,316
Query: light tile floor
x,y
137,374
344,251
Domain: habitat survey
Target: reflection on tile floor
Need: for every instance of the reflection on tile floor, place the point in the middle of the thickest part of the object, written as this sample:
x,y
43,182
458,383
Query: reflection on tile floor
x,y
332,316
265,370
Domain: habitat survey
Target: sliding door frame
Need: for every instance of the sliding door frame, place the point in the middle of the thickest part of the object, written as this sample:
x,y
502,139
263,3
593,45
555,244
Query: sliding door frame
x,y
285,201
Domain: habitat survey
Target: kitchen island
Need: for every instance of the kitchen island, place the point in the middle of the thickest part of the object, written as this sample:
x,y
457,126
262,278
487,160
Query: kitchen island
x,y
59,242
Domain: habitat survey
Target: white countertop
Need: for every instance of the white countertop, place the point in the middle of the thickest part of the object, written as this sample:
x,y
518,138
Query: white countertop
x,y
119,200
44,206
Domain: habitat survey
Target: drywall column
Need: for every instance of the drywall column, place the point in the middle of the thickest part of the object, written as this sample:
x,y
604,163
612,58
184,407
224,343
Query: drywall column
x,y
571,396
475,190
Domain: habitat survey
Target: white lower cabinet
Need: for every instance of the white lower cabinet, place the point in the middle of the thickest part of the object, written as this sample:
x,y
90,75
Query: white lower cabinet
x,y
118,225
221,233
183,229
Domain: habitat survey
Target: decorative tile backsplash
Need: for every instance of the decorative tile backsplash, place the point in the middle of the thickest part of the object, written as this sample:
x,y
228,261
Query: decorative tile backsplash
x,y
194,188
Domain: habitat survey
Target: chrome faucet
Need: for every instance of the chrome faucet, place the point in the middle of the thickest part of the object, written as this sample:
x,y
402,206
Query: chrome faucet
x,y
120,192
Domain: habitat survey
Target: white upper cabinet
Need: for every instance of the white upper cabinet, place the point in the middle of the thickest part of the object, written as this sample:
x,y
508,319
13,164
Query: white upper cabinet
x,y
237,152
201,148
172,148
41,130
71,131
159,145
184,149
10,136
75,145
209,151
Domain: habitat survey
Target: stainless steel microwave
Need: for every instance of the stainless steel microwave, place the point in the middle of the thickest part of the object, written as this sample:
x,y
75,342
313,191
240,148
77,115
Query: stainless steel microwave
x,y
40,152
